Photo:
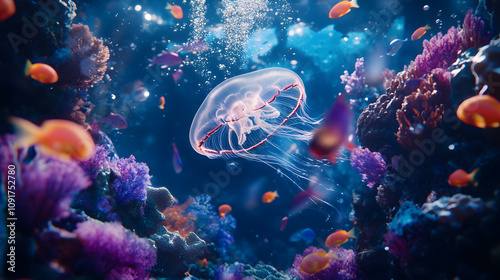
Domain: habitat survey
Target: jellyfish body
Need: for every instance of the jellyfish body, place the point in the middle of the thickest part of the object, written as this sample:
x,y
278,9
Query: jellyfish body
x,y
254,116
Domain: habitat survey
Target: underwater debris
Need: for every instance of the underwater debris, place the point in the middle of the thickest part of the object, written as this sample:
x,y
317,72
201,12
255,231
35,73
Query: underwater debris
x,y
370,165
176,253
88,62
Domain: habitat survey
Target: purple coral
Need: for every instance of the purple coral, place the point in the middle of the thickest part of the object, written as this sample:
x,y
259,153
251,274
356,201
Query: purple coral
x,y
338,270
132,182
354,83
45,188
443,50
96,163
113,252
369,164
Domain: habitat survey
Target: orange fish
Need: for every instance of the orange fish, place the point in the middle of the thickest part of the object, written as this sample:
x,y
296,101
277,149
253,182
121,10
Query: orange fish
x,y
317,261
342,8
268,197
481,110
175,10
41,72
459,178
419,32
162,103
203,262
339,237
57,138
224,209
7,9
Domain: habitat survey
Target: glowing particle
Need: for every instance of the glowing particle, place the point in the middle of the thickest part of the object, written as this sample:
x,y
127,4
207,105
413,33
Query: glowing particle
x,y
147,16
426,7
138,7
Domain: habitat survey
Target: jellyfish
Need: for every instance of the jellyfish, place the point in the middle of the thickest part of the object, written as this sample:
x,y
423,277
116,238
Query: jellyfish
x,y
260,116
257,116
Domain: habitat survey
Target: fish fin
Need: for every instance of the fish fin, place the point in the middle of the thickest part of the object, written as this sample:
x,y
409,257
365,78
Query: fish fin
x,y
27,68
478,120
354,4
29,133
351,233
495,124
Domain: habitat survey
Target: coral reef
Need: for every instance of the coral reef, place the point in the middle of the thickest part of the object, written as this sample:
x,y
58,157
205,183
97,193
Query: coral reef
x,y
423,110
484,68
176,219
339,269
266,272
176,253
454,210
370,165
210,226
132,180
354,83
88,62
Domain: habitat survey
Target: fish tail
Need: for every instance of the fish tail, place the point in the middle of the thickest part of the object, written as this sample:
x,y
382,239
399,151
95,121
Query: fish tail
x,y
169,6
27,68
472,175
333,256
354,4
351,233
28,132
427,27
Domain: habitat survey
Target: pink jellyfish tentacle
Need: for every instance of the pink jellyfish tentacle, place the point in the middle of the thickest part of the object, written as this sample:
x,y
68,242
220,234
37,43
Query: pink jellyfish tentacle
x,y
207,136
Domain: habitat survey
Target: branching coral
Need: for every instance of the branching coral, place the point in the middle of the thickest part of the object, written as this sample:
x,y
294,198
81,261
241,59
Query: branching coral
x,y
177,219
338,270
88,63
354,83
422,111
113,252
370,165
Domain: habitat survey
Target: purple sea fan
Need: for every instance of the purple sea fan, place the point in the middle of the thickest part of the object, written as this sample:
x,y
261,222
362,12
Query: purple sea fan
x,y
345,269
132,182
113,252
45,188
354,83
370,165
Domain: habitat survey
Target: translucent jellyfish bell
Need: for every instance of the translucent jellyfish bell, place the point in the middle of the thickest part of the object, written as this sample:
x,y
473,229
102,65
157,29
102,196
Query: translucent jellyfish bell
x,y
257,116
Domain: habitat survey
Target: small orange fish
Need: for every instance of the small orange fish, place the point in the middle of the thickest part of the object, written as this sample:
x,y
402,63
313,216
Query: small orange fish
x,y
203,262
41,72
339,237
481,110
342,8
175,10
268,197
317,261
57,138
224,209
419,32
7,9
162,103
459,178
